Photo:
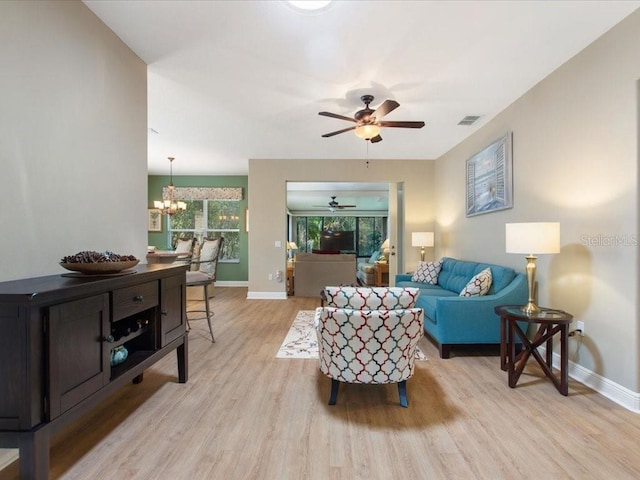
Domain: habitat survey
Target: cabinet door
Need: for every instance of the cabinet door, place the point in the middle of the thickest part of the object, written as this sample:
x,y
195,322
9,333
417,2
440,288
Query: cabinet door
x,y
172,308
78,361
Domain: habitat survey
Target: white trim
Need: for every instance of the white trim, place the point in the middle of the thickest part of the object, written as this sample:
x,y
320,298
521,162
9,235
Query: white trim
x,y
266,295
232,283
605,387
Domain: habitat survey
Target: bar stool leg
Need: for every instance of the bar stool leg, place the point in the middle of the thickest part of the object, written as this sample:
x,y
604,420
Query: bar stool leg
x,y
208,312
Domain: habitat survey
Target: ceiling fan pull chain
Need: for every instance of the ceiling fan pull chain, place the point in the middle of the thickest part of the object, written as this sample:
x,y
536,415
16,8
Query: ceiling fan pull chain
x,y
367,143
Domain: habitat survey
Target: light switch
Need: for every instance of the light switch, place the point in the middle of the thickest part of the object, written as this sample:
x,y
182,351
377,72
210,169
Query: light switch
x,y
278,244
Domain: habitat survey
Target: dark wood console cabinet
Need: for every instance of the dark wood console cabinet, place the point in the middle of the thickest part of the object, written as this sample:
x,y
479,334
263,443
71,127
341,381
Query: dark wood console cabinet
x,y
56,337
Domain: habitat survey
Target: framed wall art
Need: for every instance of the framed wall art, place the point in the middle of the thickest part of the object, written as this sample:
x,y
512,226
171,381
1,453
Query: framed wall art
x,y
154,220
490,178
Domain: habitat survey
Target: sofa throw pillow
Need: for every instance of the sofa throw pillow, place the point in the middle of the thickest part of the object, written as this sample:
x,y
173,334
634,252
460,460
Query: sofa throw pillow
x,y
479,285
427,272
374,257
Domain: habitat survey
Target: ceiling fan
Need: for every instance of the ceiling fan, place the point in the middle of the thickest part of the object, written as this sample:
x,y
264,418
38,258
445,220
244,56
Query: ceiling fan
x,y
369,121
334,205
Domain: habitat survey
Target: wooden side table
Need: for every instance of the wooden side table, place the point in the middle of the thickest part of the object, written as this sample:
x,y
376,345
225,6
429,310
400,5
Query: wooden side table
x,y
380,269
550,322
290,289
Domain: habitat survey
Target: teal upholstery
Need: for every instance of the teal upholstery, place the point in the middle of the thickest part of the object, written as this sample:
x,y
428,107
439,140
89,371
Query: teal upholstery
x,y
451,320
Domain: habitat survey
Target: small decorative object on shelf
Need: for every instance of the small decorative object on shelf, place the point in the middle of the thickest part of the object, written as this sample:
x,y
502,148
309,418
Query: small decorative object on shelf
x,y
89,262
118,355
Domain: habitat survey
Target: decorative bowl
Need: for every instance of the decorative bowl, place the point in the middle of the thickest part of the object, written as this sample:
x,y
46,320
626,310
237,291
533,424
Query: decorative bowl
x,y
99,268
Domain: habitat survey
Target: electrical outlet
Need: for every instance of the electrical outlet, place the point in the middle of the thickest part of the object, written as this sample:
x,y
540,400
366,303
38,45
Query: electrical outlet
x,y
580,326
270,276
279,275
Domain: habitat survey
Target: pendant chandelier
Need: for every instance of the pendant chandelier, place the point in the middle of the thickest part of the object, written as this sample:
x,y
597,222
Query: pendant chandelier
x,y
170,205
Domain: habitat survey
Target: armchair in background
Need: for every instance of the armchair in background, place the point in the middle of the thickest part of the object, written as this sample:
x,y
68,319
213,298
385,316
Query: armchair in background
x,y
366,270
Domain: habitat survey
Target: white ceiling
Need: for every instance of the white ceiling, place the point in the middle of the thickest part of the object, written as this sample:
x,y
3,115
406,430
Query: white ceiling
x,y
233,80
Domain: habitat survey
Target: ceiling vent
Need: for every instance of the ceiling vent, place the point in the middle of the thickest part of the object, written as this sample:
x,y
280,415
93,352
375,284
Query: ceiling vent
x,y
469,120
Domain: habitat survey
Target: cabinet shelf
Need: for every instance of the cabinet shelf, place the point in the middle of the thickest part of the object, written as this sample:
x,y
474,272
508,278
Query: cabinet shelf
x,y
132,360
126,338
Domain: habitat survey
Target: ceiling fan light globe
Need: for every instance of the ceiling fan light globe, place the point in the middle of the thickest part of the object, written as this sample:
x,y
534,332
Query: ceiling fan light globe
x,y
368,131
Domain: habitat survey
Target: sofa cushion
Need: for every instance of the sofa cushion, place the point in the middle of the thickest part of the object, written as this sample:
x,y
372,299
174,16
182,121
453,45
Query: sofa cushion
x,y
455,274
375,256
427,272
374,298
501,276
478,285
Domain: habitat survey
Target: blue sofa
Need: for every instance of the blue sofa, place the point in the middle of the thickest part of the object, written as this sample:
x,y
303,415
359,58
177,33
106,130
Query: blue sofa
x,y
452,320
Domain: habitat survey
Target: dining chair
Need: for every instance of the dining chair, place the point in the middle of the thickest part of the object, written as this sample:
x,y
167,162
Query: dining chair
x,y
185,247
204,276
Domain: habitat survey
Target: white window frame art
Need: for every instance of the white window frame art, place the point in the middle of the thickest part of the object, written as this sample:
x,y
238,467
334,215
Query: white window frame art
x,y
490,178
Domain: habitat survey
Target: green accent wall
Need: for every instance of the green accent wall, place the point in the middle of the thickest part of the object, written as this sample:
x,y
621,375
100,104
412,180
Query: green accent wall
x,y
236,272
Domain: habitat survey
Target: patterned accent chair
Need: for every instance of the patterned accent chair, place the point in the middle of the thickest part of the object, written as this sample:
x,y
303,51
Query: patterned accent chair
x,y
368,335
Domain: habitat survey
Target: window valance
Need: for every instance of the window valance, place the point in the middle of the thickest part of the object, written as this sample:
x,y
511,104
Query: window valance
x,y
203,193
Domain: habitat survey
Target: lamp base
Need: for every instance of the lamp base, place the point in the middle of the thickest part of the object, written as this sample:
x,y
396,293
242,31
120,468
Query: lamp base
x,y
530,309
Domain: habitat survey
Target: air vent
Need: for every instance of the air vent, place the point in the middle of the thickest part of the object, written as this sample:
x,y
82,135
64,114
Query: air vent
x,y
469,120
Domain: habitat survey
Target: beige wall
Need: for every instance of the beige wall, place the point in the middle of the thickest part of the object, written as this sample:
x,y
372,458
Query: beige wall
x,y
73,138
267,206
575,151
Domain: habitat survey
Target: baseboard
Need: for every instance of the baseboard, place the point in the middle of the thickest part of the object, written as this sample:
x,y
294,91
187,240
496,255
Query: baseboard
x,y
232,283
266,295
605,387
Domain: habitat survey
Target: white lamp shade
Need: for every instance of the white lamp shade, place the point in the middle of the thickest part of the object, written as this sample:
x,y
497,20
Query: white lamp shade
x,y
367,131
532,238
292,246
384,248
422,239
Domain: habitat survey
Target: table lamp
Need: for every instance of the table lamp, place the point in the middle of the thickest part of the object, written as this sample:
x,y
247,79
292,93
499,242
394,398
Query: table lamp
x,y
422,239
292,248
531,239
384,248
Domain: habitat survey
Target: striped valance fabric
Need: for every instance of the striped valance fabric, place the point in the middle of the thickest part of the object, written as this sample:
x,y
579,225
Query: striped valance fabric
x,y
203,193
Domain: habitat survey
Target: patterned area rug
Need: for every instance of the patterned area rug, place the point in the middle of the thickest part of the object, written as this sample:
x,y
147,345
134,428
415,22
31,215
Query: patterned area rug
x,y
301,340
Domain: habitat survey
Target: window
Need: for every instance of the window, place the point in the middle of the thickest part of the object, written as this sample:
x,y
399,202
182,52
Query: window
x,y
208,219
370,232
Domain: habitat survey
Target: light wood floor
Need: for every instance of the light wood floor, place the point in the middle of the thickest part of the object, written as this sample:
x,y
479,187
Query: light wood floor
x,y
246,415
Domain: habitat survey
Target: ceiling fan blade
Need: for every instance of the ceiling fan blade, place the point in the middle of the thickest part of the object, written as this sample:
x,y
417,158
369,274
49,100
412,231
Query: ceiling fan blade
x,y
376,139
402,124
386,107
346,206
326,135
335,115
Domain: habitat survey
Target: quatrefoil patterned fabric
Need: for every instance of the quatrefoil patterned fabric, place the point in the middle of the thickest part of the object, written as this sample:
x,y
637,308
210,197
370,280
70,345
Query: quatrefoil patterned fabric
x,y
427,272
374,298
368,346
479,285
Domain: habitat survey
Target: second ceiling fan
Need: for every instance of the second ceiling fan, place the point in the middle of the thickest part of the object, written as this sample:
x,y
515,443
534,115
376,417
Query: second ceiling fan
x,y
368,121
335,205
